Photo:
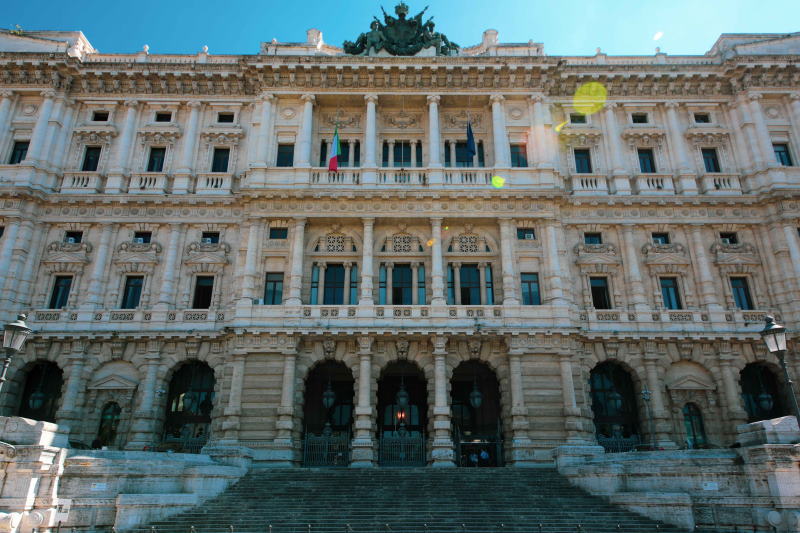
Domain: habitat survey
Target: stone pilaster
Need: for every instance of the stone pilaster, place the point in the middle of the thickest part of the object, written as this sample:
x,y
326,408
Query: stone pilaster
x,y
437,269
119,169
632,270
69,414
622,182
306,132
661,420
41,130
233,409
143,430
366,298
707,290
687,177
284,440
95,292
507,239
502,150
182,183
521,451
434,139
370,164
296,272
363,444
442,454
166,294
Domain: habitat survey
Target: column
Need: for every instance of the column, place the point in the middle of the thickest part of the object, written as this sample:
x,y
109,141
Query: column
x,y
250,275
346,294
230,422
707,288
363,439
735,413
638,298
687,181
743,147
544,126
793,243
572,423
321,291
144,417
535,138
482,283
762,136
794,103
659,413
21,249
166,295
296,273
414,283
9,241
67,413
306,132
502,150
437,272
285,424
264,127
391,154
366,263
24,292
389,269
183,174
119,166
61,148
507,256
442,448
39,136
451,146
434,137
54,128
521,442
370,162
6,100
622,183
457,281
95,292
554,268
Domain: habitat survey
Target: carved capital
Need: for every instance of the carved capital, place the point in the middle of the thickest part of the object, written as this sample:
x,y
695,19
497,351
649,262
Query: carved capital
x,y
434,99
794,97
538,98
48,94
266,97
6,93
371,98
131,103
672,105
497,98
193,104
308,98
365,345
439,344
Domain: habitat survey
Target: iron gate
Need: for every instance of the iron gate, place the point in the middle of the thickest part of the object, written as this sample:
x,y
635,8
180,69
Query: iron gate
x,y
402,451
330,450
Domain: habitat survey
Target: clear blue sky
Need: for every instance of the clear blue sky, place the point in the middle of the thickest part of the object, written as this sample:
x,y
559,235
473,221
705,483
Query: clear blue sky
x,y
566,27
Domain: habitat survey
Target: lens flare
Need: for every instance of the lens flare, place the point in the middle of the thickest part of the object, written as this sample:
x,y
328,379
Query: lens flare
x,y
430,242
658,35
560,126
589,98
498,182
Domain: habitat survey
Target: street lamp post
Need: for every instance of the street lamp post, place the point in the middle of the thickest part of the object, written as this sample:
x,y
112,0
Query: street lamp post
x,y
14,336
774,336
646,397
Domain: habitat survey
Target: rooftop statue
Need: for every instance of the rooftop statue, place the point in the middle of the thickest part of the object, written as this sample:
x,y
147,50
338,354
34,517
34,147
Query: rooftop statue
x,y
401,36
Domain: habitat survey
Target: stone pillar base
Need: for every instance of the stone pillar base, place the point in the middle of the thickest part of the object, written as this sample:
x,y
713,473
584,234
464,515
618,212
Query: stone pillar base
x,y
114,183
442,453
522,452
142,433
569,455
282,453
688,184
182,184
363,454
622,185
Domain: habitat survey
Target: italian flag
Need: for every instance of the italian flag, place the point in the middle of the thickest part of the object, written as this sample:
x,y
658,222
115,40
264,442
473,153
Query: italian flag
x,y
335,152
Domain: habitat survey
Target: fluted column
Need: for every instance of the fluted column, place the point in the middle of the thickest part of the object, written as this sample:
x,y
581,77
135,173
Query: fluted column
x,y
119,167
638,298
233,410
622,183
554,267
686,174
442,449
502,150
250,274
145,417
40,130
437,270
363,444
95,292
366,263
6,101
166,295
263,137
306,131
183,174
19,253
707,288
296,272
507,256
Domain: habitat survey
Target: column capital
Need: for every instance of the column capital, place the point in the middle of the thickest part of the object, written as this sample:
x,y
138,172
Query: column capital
x,y
672,105
368,221
388,264
611,106
365,345
193,104
300,221
48,93
266,97
439,344
436,221
794,97
6,93
538,98
497,98
753,97
348,264
434,99
371,98
131,103
308,98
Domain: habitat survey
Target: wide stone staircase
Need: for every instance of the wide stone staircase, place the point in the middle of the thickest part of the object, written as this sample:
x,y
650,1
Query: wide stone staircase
x,y
465,500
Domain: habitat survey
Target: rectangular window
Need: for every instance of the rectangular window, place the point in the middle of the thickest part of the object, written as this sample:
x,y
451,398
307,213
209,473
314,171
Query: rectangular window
x,y
314,299
132,293
782,154
728,237
451,285
702,118
660,238
323,153
489,281
401,285
273,288
481,157
402,154
354,284
669,293
600,296
225,117
519,155
577,118
583,161
100,116
203,290
219,162
530,289
142,237
342,159
463,156
209,237
19,152
91,158
710,159
60,295
526,234
334,285
285,155
73,237
647,162
164,116
639,118
155,163
470,289
421,298
382,285
357,154
592,238
278,233
741,294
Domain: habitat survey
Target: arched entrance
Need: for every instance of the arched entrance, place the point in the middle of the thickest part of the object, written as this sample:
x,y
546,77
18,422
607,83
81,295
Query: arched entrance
x,y
189,402
42,392
477,431
761,392
109,422
616,420
328,415
402,415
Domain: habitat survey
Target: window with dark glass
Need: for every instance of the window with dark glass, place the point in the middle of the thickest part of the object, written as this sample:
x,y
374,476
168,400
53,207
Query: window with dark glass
x,y
530,289
19,152
613,404
451,284
209,237
73,237
401,285
278,233
583,161
203,290
470,288
334,285
464,158
421,298
142,237
639,118
285,155
382,286
164,116
41,392
489,283
695,429
314,299
577,118
728,237
100,116
761,392
600,296
155,163
91,158
2,231
710,159
519,155
702,118
225,117
741,293
189,402
526,234
273,288
219,162
669,293
782,154
592,238
60,294
132,292
109,422
353,284
647,162
660,238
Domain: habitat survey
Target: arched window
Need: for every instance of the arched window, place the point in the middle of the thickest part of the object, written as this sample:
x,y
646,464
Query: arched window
x,y
109,421
613,403
189,403
695,430
761,393
42,392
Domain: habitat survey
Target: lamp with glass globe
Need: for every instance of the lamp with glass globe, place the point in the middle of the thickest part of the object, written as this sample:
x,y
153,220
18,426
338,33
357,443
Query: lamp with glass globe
x,y
14,336
774,336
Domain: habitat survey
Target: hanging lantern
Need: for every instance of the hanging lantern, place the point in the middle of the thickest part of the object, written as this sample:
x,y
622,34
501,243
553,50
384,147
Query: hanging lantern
x,y
36,401
765,401
402,396
328,396
475,397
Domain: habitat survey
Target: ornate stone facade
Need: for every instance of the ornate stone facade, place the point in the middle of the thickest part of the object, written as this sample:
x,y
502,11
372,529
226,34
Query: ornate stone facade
x,y
210,191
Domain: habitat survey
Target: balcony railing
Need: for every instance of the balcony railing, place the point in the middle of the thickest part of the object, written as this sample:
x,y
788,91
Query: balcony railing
x,y
214,183
403,177
148,183
81,182
721,184
656,184
344,176
589,184
467,176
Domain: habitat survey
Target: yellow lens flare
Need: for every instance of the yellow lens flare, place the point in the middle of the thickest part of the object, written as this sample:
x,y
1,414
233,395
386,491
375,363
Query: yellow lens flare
x,y
560,126
589,98
498,182
431,242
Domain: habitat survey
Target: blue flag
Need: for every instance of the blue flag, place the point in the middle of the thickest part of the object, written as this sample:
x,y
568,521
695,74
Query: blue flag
x,y
470,140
